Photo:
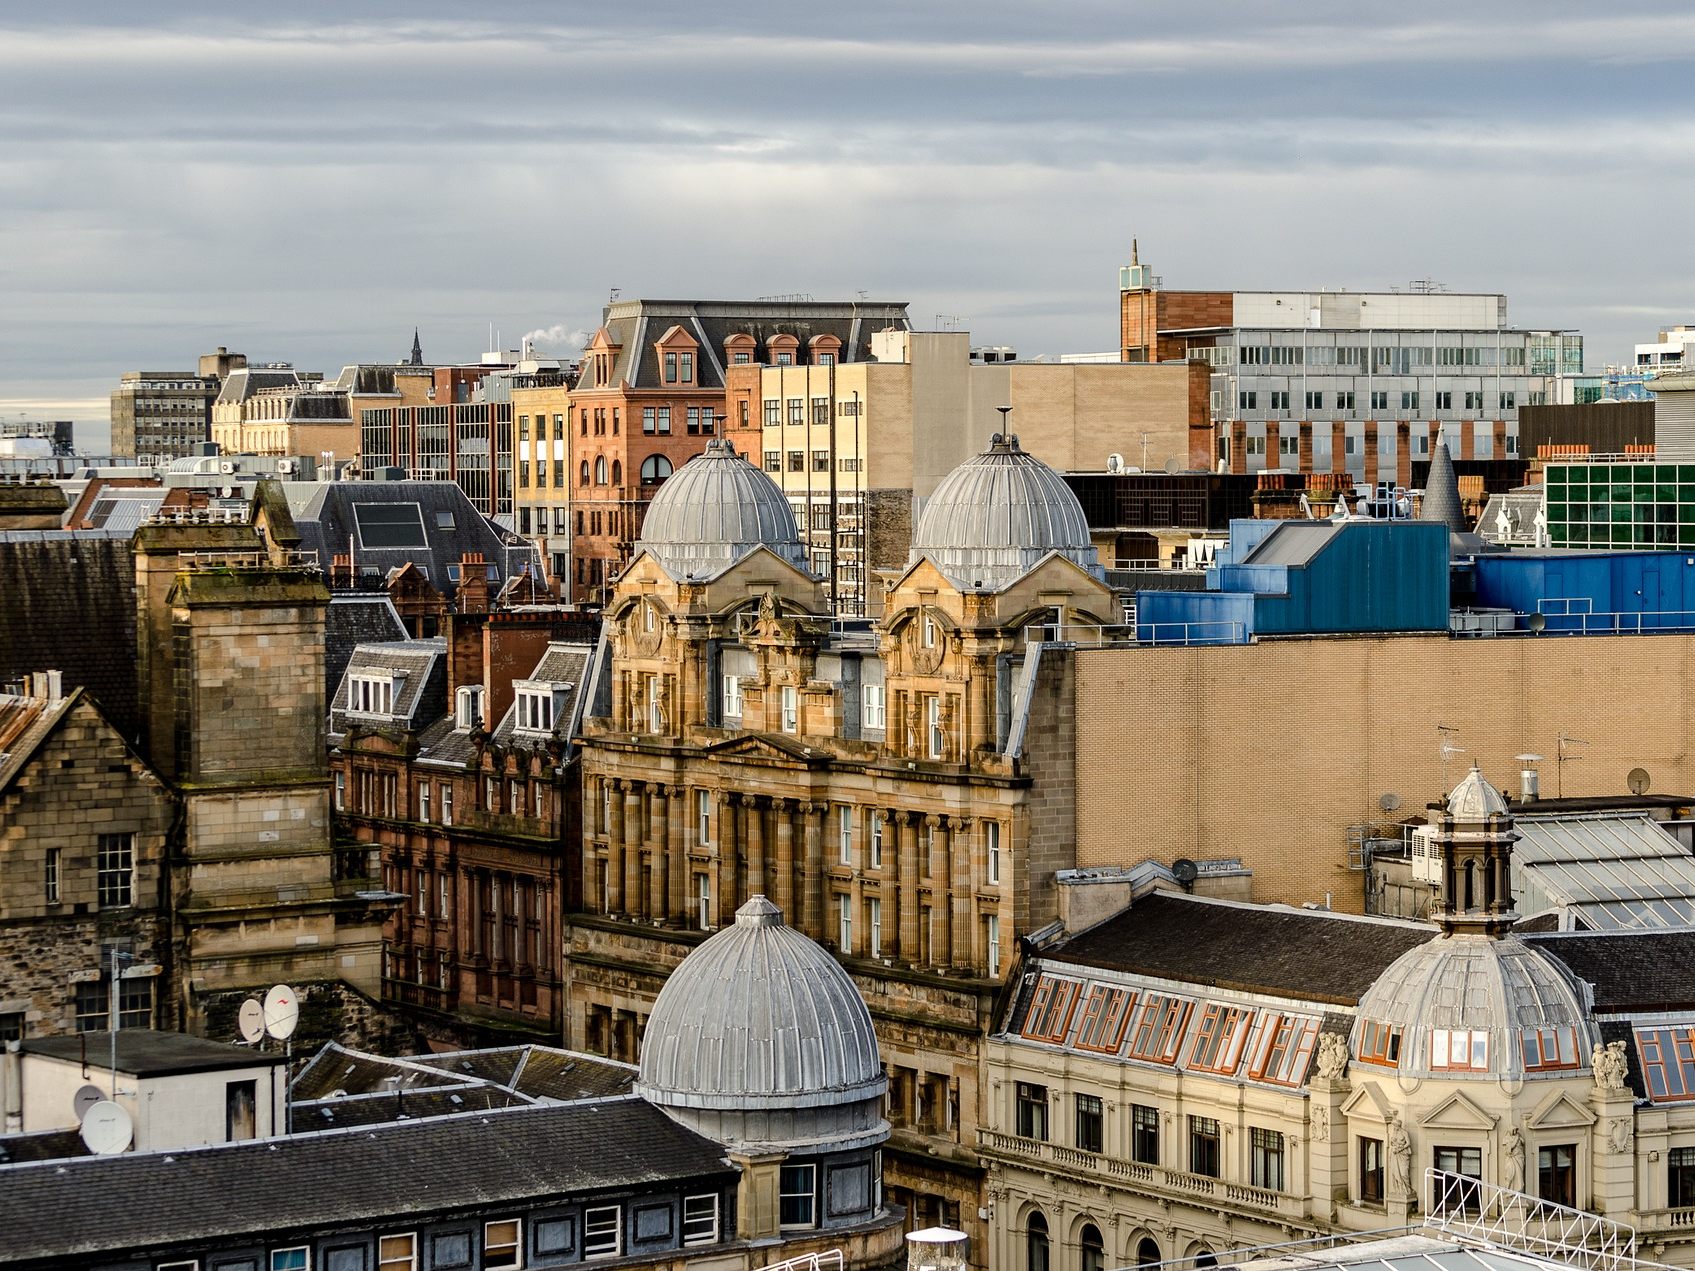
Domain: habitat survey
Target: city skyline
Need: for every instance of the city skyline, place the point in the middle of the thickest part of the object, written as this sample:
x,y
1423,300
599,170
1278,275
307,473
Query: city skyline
x,y
313,191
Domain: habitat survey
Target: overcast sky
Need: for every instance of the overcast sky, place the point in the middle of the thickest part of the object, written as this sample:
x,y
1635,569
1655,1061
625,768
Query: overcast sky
x,y
178,176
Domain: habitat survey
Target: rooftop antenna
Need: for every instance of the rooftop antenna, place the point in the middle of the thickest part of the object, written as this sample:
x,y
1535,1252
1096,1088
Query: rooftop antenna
x,y
1448,750
1004,412
1560,764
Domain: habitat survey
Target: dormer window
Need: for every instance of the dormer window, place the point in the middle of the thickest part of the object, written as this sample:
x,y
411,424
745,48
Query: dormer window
x,y
542,706
467,709
783,350
739,349
826,349
371,693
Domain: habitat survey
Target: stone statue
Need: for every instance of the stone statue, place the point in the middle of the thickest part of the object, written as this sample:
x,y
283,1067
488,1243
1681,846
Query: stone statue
x,y
1515,1160
1332,1056
1609,1065
1320,1121
1400,1157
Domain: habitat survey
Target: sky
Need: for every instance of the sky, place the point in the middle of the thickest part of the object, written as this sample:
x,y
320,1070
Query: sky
x,y
307,182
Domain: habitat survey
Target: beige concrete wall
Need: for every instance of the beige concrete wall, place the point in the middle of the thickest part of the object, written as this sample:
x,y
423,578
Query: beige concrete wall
x,y
1270,751
1073,416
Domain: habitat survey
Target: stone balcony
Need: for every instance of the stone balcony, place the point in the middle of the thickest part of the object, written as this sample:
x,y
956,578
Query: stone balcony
x,y
1153,1180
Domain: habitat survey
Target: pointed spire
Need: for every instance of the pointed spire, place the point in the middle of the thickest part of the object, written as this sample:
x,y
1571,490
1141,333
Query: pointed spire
x,y
417,349
1134,260
1442,493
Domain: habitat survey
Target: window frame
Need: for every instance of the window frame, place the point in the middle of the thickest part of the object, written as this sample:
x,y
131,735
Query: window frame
x,y
710,1237
1369,1164
115,879
1267,1158
305,1264
514,1246
1144,1134
1549,1170
1030,1110
1206,1147
789,1190
1089,1130
391,1262
593,1214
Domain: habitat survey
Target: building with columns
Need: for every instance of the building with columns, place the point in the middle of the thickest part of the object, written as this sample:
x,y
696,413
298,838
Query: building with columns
x,y
1192,1077
893,785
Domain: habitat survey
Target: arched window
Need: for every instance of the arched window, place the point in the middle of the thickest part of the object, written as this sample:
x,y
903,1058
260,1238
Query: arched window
x,y
617,472
583,478
1094,1249
1147,1253
1036,1243
655,468
1206,1259
600,470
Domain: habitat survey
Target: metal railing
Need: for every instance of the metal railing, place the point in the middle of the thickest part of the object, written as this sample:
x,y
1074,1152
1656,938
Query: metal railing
x,y
1190,633
824,1260
304,561
1474,1210
200,516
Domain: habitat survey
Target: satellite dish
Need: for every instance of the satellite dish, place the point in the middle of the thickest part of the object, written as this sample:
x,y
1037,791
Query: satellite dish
x,y
86,1098
1115,463
1172,466
1536,621
1638,781
107,1129
1389,801
282,1012
251,1021
1185,870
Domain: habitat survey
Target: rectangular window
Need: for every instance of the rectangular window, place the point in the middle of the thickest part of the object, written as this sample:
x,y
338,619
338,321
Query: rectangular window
x,y
874,927
1219,1039
670,368
1509,401
797,410
1556,1174
773,413
1204,1146
1464,1194
398,1253
1281,1049
1106,1012
535,709
844,923
649,418
1445,399
502,1244
1371,1171
876,710
1379,1044
1668,1062
797,1196
1048,1018
1032,1108
1345,400
1247,400
664,425
93,1006
1459,1049
844,835
820,460
992,943
116,870
11,1026
700,1220
370,694
703,901
820,410
1265,1160
1090,1123
1379,399
733,697
297,1259
773,461
876,837
340,791
1158,1033
444,905
992,845
1144,1134
446,804
797,461
685,365
1409,399
1279,399
135,1002
1315,399
1680,1177
933,726
791,708
50,878
424,803
603,1231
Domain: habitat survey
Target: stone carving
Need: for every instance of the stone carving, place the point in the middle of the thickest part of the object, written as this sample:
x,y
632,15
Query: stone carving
x,y
1332,1056
1400,1157
1320,1120
1609,1065
1515,1160
1619,1136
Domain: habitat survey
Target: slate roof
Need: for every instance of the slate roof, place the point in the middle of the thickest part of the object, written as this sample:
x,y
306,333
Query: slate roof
x,y
1630,971
1297,953
321,1181
43,1145
26,722
70,606
561,664
638,324
147,1053
355,618
421,669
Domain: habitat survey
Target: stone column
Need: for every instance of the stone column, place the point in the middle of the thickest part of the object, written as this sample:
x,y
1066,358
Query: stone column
x,y
907,863
591,849
658,882
677,853
1612,1156
729,850
753,883
615,850
633,793
941,921
784,880
962,853
812,907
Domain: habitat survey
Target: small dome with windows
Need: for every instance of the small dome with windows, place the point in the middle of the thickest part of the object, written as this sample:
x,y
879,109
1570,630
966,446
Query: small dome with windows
x,y
997,516
713,511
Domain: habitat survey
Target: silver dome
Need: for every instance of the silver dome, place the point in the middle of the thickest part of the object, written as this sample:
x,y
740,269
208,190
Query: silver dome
x,y
1474,799
1478,984
713,511
997,516
760,1039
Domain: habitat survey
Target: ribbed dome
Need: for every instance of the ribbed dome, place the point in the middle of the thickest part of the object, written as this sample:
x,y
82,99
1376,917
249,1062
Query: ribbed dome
x,y
1474,799
1478,984
713,511
996,516
759,1036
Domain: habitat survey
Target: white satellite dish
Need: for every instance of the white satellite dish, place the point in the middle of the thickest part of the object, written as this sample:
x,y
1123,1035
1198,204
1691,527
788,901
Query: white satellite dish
x,y
251,1021
107,1129
282,1012
1115,463
86,1098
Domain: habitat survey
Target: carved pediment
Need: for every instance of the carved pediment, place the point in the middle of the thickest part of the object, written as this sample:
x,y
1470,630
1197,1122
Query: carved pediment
x,y
1367,1102
1560,1111
1457,1112
763,746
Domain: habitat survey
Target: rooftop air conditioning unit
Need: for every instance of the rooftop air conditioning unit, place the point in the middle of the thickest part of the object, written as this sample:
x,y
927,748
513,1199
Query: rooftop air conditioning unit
x,y
228,465
286,467
1426,857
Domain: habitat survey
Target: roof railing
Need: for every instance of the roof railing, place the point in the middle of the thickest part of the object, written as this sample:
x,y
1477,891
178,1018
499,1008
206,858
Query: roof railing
x,y
300,561
1470,1209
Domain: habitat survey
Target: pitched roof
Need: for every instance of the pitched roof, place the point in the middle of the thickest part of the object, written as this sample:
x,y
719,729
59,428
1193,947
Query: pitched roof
x,y
354,619
1299,953
345,1176
418,666
1630,970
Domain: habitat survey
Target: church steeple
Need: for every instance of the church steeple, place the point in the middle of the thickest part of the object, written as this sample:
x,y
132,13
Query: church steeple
x,y
1474,839
417,358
